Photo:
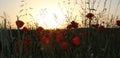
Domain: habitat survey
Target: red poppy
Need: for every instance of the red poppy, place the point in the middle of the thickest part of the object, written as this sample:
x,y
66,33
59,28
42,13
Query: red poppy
x,y
40,29
25,29
90,15
26,41
47,35
74,24
95,25
53,32
63,32
45,40
69,26
64,46
37,33
76,41
101,28
59,37
19,23
118,22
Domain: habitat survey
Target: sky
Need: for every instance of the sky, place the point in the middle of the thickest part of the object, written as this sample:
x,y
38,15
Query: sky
x,y
12,9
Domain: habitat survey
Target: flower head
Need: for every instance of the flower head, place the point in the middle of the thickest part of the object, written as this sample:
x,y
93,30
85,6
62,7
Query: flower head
x,y
74,24
59,37
95,25
25,29
64,46
69,26
118,22
76,41
37,33
101,28
19,23
45,39
40,29
90,15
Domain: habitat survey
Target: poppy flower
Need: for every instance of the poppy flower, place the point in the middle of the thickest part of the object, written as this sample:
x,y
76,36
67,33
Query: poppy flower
x,y
47,35
95,26
40,29
26,41
19,23
118,22
74,24
69,26
59,37
45,40
64,46
25,29
76,41
101,28
53,32
90,15
37,33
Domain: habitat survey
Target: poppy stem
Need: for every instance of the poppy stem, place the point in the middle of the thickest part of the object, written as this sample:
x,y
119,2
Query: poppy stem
x,y
19,38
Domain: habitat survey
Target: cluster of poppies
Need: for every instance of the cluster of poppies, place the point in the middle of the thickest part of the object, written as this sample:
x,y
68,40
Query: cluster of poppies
x,y
90,17
20,24
46,40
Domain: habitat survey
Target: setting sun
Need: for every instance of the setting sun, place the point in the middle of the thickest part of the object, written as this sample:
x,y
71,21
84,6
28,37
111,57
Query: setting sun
x,y
50,18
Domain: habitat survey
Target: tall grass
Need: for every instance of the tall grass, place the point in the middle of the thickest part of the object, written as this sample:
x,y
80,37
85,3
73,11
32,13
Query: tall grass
x,y
101,8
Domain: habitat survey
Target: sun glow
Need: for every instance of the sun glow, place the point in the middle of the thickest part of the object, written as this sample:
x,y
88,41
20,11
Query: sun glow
x,y
50,18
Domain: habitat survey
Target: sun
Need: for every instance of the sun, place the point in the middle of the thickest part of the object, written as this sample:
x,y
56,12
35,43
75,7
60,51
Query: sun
x,y
50,18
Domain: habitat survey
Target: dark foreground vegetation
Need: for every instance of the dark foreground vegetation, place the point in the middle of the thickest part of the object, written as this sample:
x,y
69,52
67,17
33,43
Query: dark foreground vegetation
x,y
92,43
